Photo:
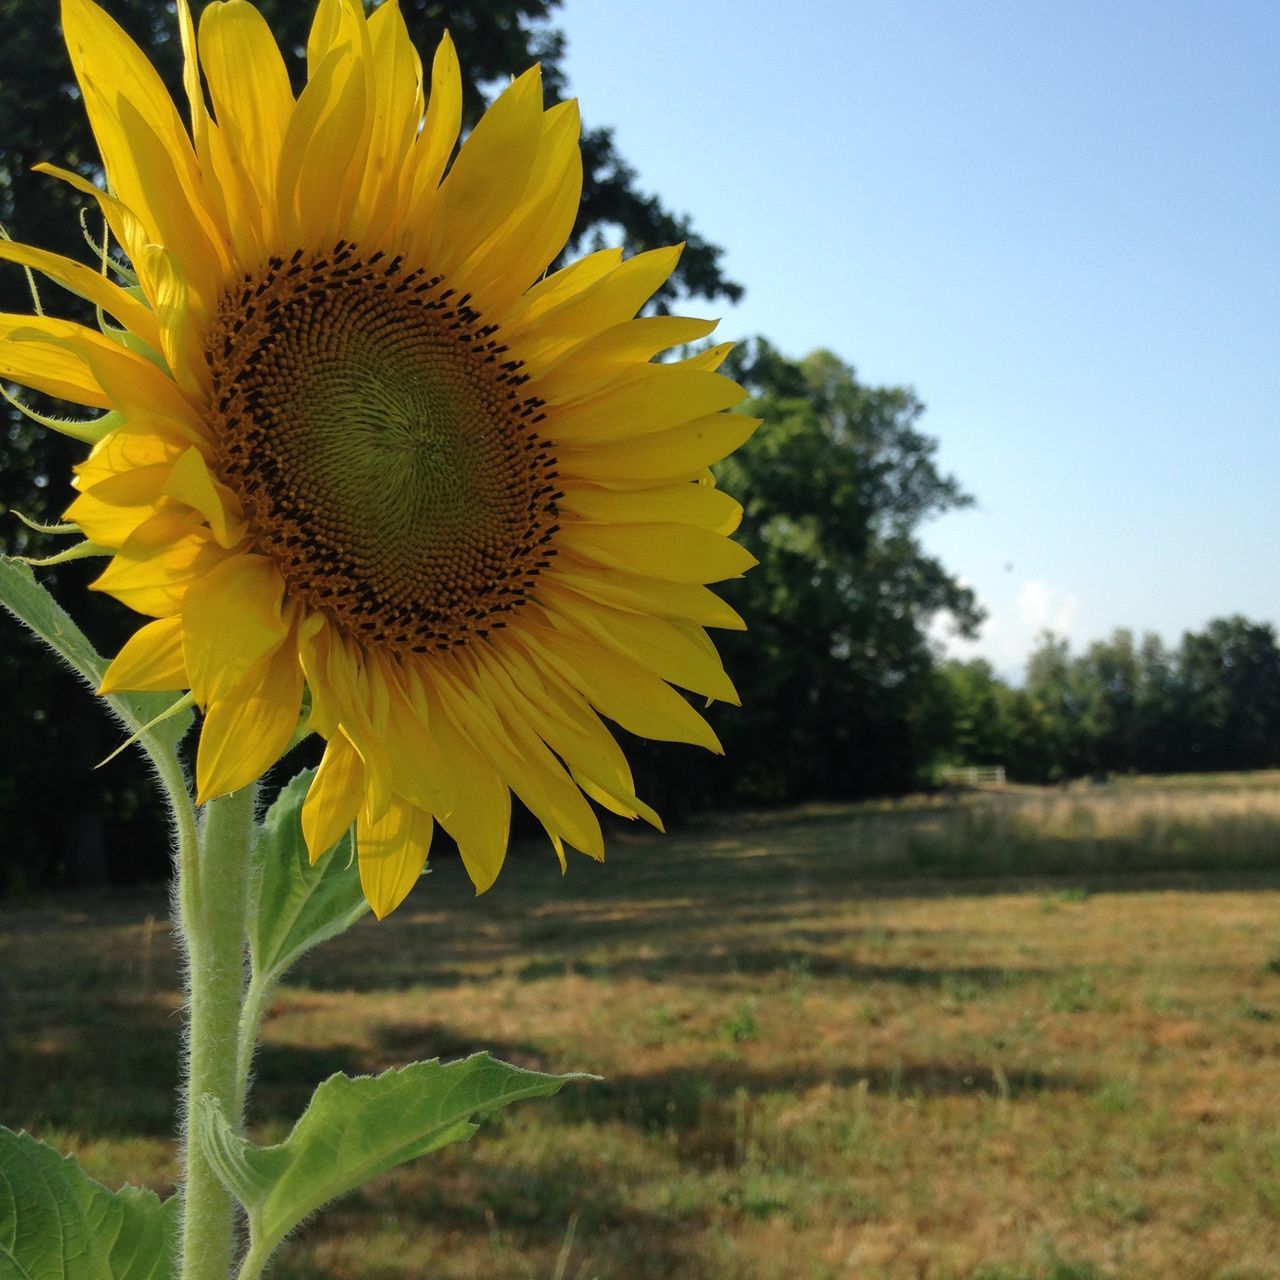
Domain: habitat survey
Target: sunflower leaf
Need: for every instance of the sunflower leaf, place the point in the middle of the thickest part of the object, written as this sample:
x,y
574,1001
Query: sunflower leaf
x,y
23,596
296,905
355,1129
56,1223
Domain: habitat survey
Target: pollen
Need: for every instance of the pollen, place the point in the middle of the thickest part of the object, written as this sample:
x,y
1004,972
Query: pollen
x,y
377,433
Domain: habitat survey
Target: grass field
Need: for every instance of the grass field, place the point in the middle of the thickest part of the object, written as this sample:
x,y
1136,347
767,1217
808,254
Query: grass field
x,y
990,1037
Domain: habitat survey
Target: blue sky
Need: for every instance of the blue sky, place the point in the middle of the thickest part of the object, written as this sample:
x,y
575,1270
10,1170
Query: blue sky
x,y
1059,223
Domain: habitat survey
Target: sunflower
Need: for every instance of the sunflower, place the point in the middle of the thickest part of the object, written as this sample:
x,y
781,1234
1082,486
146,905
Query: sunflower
x,y
364,460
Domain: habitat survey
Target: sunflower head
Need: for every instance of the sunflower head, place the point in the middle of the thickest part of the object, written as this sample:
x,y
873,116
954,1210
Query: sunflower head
x,y
360,444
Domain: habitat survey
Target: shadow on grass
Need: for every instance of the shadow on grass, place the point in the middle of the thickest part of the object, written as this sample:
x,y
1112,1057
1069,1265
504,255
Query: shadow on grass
x,y
107,1069
400,1042
704,1109
517,1211
782,963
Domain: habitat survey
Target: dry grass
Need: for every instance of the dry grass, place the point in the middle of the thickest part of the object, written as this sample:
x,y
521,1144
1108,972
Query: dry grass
x,y
852,1042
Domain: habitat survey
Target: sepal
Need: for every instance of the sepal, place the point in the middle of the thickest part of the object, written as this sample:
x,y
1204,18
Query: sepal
x,y
294,905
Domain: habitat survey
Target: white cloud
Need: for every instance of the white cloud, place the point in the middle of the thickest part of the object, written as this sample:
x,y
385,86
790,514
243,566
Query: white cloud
x,y
1014,623
1044,607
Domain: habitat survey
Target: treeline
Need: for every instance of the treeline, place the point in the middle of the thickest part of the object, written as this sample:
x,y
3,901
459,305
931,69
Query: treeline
x,y
1123,706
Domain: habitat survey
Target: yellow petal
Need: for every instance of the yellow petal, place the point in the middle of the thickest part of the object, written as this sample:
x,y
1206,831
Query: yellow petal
x,y
419,770
36,352
337,25
191,483
180,327
673,552
323,152
91,285
171,214
522,759
231,620
566,722
436,140
678,454
191,72
488,178
621,690
567,283
623,808
679,653
358,697
522,246
250,222
150,661
75,363
154,569
128,448
125,225
250,89
315,640
392,850
111,512
333,798
248,727
649,595
695,504
147,155
480,819
622,349
664,397
397,80
710,359
548,331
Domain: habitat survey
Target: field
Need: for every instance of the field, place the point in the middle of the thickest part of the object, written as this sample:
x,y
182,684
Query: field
x,y
1032,1035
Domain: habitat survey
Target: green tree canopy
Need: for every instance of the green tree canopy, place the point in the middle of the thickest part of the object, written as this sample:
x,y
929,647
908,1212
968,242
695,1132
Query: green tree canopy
x,y
1135,706
837,666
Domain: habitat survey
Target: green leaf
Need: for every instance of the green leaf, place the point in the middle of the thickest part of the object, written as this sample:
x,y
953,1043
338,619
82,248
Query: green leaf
x,y
296,905
354,1129
56,1223
23,596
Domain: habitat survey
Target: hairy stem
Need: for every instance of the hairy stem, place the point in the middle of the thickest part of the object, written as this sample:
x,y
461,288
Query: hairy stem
x,y
213,902
257,994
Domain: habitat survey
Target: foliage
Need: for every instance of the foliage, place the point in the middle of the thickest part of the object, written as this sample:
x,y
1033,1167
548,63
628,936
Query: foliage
x,y
58,1224
837,665
355,1129
1124,706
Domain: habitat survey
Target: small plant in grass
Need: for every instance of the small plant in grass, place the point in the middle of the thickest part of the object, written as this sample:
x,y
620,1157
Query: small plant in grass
x,y
1253,1012
1116,1097
1077,993
742,1027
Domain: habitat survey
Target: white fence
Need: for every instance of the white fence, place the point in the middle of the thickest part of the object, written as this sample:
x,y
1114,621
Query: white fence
x,y
974,776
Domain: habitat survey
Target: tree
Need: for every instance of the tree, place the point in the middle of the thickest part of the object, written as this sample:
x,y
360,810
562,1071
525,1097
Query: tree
x,y
980,710
837,663
1230,678
1213,704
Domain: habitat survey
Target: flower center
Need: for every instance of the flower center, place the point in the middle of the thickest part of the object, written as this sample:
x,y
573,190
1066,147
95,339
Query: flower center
x,y
374,429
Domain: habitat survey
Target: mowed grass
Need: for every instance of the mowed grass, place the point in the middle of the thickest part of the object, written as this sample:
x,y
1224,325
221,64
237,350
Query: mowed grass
x,y
990,1037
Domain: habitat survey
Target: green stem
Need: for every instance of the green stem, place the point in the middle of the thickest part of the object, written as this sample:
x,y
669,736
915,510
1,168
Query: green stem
x,y
213,903
255,1263
256,996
